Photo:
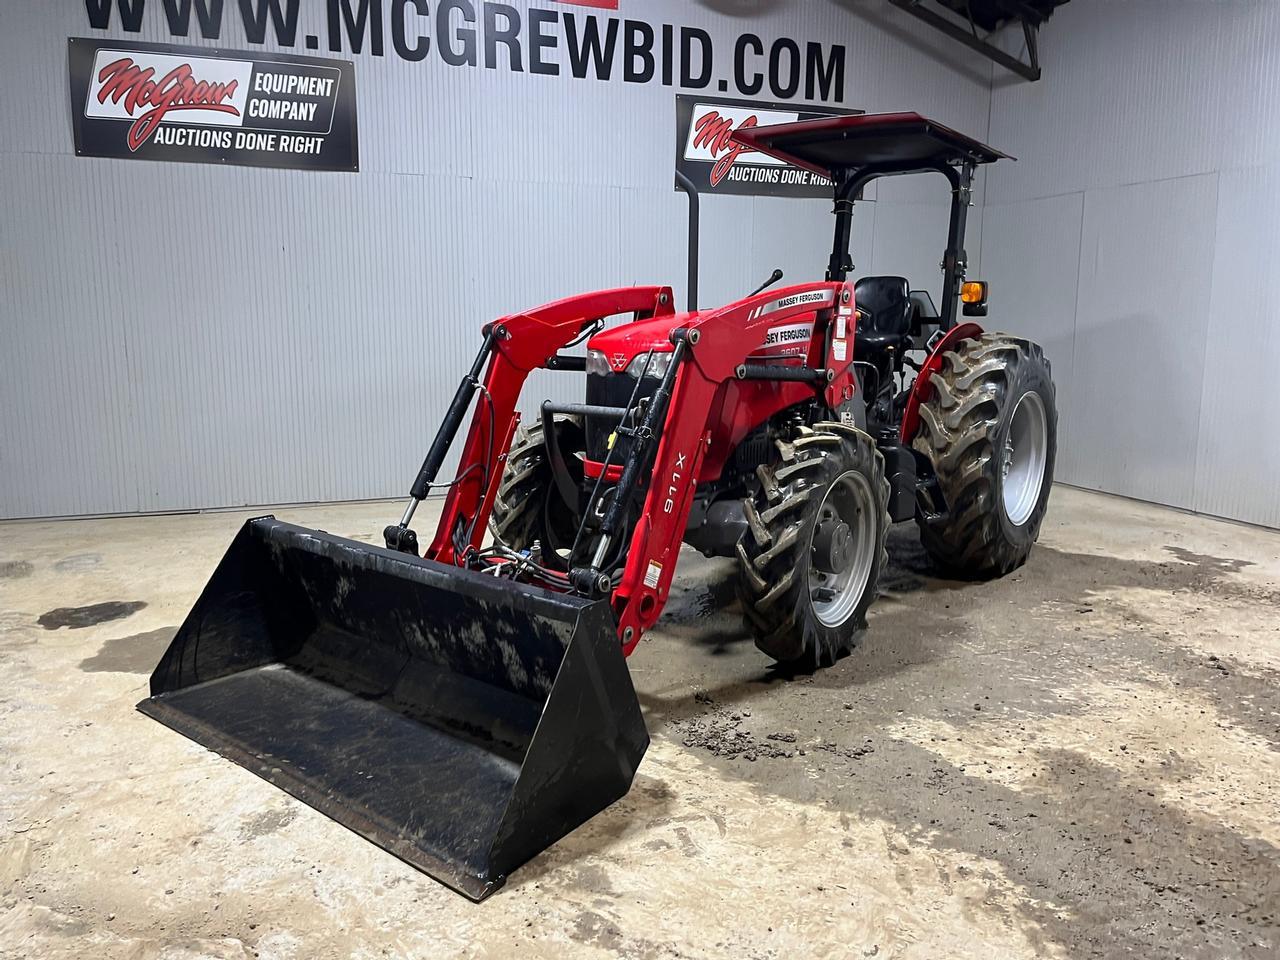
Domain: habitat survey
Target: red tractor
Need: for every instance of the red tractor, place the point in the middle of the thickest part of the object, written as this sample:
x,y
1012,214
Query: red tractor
x,y
467,707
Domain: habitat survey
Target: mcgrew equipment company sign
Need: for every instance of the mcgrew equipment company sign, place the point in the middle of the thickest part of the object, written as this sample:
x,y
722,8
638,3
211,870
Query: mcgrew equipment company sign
x,y
707,154
148,101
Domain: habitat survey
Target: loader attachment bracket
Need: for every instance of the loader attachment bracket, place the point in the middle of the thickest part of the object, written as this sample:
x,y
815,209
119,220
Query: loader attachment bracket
x,y
401,539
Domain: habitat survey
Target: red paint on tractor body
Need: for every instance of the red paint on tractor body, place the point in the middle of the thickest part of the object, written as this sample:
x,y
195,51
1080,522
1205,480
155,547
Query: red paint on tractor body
x,y
922,389
713,409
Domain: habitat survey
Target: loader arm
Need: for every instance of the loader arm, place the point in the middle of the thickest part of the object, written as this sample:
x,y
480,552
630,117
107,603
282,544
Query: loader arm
x,y
522,343
719,343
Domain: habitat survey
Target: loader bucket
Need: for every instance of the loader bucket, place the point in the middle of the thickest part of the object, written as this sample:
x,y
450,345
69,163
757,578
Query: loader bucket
x,y
462,722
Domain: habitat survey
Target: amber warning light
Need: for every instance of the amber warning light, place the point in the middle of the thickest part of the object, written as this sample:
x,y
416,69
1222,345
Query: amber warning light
x,y
973,294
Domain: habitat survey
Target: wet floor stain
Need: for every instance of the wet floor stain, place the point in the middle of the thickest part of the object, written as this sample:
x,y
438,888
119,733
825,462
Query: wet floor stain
x,y
78,563
77,618
1210,564
137,653
15,569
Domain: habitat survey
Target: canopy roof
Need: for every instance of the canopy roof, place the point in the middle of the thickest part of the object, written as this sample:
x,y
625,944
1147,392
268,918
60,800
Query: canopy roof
x,y
888,142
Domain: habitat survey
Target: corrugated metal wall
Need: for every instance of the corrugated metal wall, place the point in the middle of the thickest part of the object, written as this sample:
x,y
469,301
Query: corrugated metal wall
x,y
1136,238
180,336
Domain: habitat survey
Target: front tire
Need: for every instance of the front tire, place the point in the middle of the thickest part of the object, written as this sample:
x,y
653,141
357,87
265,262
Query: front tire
x,y
811,558
990,431
529,506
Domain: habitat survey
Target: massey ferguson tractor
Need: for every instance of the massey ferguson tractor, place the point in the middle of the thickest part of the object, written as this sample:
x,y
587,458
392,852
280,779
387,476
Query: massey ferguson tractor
x,y
467,704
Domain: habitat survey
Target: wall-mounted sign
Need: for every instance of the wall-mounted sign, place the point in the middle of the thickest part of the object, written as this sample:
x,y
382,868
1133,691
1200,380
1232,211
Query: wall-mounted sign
x,y
577,39
707,154
150,101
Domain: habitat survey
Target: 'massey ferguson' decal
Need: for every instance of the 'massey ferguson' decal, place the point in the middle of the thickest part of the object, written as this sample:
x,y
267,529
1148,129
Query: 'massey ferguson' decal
x,y
813,298
791,340
781,336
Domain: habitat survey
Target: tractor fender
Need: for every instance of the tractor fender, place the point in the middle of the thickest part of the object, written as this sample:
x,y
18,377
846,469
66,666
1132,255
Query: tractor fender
x,y
922,388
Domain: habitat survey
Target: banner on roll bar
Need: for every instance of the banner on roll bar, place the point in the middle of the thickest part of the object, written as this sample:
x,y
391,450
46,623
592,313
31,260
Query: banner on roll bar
x,y
151,101
707,154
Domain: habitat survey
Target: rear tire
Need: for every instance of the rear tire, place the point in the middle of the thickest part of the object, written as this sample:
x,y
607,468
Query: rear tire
x,y
810,561
990,431
528,506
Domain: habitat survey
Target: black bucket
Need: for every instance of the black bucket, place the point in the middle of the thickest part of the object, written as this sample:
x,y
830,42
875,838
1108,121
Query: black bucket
x,y
462,722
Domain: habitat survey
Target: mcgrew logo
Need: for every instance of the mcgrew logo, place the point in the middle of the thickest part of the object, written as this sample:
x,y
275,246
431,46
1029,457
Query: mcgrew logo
x,y
714,133
131,91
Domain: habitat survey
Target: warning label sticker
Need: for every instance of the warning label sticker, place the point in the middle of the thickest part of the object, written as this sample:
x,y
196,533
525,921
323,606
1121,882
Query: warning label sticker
x,y
653,574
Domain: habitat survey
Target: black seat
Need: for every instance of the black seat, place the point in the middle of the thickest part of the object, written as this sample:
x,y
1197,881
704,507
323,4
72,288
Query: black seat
x,y
885,309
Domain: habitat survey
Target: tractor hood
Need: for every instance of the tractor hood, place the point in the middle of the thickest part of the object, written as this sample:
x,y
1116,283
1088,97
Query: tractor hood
x,y
620,346
623,344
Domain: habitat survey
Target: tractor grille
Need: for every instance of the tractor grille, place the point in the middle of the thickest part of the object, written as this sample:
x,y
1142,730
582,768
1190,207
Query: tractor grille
x,y
756,448
613,390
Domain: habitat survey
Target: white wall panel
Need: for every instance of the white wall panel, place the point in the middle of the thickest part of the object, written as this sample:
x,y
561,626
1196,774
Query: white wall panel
x,y
728,230
181,336
188,370
1162,115
791,235
1141,323
910,240
1133,91
1031,253
652,229
577,245
1238,456
66,403
913,214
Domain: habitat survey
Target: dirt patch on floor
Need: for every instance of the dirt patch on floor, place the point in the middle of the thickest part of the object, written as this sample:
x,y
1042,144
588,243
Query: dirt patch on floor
x,y
15,569
266,823
77,618
78,563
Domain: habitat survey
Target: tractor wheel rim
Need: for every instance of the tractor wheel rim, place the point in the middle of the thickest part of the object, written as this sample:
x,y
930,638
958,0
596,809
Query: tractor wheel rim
x,y
835,596
1026,451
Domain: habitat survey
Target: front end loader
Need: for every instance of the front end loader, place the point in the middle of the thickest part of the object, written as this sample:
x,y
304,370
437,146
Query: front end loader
x,y
466,704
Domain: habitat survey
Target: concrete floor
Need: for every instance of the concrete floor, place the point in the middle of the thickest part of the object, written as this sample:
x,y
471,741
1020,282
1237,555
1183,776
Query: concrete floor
x,y
1079,760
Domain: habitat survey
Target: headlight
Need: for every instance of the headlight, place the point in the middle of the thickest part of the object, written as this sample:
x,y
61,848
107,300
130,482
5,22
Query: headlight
x,y
643,366
598,364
